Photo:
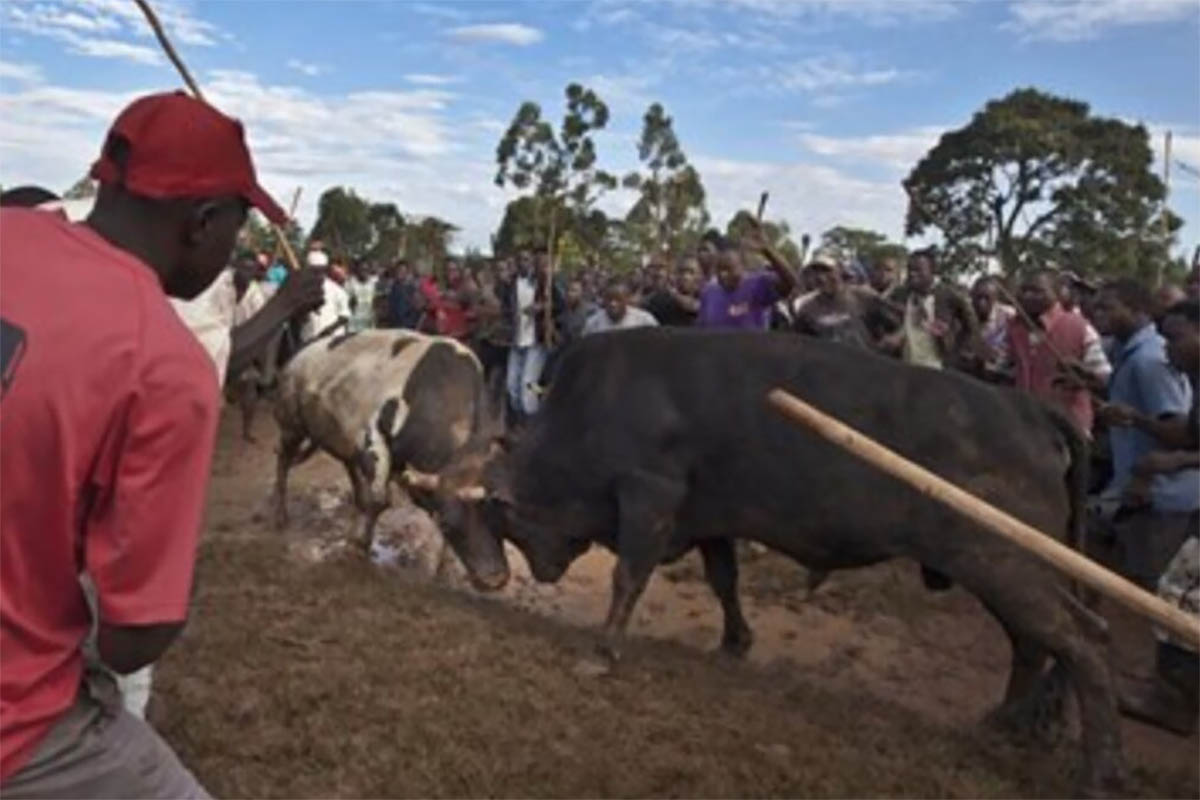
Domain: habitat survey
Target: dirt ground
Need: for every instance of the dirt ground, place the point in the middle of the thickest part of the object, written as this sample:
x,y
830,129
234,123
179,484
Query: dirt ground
x,y
302,676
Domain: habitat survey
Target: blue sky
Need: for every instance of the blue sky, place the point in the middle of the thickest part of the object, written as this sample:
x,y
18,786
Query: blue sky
x,y
826,103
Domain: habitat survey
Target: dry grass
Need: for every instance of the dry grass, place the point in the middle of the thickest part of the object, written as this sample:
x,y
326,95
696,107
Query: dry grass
x,y
342,680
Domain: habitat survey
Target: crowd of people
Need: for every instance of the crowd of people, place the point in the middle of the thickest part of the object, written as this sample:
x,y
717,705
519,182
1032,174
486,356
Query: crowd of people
x,y
105,475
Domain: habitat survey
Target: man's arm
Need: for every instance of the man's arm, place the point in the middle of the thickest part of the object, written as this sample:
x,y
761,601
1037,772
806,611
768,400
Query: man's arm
x,y
140,538
1171,431
300,293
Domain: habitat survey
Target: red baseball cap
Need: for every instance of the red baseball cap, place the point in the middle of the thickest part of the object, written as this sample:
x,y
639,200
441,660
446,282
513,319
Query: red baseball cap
x,y
183,147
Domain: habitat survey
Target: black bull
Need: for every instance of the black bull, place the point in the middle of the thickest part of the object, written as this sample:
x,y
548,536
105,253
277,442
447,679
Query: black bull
x,y
653,442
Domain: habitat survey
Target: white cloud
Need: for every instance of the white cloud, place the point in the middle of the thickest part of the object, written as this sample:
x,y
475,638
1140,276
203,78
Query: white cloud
x,y
810,198
513,33
429,79
307,67
106,28
898,151
440,11
871,12
19,73
821,73
1076,20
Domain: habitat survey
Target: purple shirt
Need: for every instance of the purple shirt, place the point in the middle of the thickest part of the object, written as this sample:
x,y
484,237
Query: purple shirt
x,y
747,307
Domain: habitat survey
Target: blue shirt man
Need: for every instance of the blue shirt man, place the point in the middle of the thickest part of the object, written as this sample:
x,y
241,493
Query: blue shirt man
x,y
1143,380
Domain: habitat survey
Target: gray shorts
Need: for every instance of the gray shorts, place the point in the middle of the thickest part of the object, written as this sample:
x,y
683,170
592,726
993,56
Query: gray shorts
x,y
98,749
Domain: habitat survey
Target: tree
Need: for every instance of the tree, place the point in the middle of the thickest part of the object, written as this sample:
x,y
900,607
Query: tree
x,y
777,234
559,167
388,232
669,214
1034,177
344,223
863,245
428,241
257,236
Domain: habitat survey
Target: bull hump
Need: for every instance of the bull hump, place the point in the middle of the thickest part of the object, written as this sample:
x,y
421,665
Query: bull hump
x,y
399,345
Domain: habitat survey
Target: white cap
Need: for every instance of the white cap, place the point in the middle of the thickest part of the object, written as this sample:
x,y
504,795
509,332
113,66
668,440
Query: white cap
x,y
317,258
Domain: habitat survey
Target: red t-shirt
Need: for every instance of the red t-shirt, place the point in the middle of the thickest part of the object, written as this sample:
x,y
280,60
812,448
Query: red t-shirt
x,y
1036,362
107,425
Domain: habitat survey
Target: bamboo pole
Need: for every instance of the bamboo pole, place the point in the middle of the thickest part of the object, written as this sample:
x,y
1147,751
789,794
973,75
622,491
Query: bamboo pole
x,y
167,47
1057,555
279,234
1166,223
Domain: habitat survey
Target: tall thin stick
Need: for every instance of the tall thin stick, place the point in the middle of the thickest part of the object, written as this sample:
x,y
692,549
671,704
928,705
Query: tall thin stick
x,y
1001,523
161,35
550,281
1166,222
291,214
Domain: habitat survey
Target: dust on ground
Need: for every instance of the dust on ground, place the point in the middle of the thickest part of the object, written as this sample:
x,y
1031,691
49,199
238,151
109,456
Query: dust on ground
x,y
306,671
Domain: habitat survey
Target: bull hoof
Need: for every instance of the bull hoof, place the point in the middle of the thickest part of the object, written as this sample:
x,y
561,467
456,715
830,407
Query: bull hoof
x,y
737,645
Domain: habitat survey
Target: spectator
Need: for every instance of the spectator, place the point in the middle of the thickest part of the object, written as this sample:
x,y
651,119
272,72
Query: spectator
x,y
1153,512
525,304
739,300
251,298
493,333
139,449
1170,699
1192,287
453,314
939,327
708,253
994,318
617,314
1165,297
360,293
334,312
1059,335
839,312
885,276
404,304
578,311
674,304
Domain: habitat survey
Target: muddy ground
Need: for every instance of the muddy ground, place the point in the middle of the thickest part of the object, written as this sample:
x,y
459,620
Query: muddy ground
x,y
307,672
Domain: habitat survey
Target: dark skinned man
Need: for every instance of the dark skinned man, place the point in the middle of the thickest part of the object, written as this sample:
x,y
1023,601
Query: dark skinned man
x,y
108,468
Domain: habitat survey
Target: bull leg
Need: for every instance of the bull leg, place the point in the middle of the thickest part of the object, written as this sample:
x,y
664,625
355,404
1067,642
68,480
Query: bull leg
x,y
290,443
1034,611
646,511
374,464
721,570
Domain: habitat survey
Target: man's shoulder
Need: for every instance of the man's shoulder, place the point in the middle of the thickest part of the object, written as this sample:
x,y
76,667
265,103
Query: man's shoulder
x,y
642,316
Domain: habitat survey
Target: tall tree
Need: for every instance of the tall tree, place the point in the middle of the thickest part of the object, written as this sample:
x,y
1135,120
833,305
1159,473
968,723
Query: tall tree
x,y
864,245
81,189
669,214
559,166
428,241
388,232
1034,177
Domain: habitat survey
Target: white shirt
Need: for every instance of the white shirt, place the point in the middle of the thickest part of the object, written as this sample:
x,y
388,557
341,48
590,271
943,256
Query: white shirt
x,y
363,293
336,305
600,322
525,331
920,346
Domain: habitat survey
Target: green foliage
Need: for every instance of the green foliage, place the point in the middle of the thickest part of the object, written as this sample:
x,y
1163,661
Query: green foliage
x,y
669,214
1033,178
344,223
258,236
559,167
865,245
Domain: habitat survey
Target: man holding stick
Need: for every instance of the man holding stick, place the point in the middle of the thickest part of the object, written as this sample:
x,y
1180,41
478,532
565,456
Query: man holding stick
x,y
108,469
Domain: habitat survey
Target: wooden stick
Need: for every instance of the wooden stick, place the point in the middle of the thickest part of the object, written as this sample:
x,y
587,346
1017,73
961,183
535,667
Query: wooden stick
x,y
1051,551
1166,223
762,206
161,35
291,214
550,280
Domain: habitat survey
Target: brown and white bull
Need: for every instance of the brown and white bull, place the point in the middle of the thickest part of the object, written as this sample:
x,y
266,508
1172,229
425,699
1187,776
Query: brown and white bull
x,y
394,406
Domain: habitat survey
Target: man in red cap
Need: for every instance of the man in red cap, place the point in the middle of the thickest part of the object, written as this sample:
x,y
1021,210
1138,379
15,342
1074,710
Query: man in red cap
x,y
108,415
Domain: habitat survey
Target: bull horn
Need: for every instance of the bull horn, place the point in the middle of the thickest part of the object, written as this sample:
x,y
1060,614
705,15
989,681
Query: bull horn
x,y
420,480
471,493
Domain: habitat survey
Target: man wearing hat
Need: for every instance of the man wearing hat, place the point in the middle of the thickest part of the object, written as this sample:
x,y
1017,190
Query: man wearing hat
x,y
107,469
841,312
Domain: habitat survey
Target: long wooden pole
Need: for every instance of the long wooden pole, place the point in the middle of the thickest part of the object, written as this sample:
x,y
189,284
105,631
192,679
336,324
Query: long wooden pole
x,y
1166,222
167,47
999,522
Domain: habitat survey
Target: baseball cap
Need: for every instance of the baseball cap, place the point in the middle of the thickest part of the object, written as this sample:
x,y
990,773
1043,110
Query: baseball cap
x,y
183,147
826,258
